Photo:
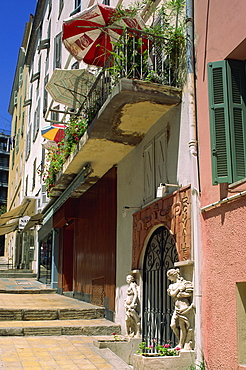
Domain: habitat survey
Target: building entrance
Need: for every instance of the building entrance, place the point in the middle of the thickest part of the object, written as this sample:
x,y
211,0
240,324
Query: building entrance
x,y
159,257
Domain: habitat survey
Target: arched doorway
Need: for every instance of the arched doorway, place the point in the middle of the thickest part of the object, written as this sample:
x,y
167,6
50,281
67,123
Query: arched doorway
x,y
159,257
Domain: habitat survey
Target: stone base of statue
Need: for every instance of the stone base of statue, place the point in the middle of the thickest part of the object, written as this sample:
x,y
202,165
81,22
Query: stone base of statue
x,y
181,362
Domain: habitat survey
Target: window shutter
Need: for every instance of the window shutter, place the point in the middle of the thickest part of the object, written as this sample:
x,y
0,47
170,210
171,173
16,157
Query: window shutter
x,y
237,112
219,123
15,97
20,76
17,141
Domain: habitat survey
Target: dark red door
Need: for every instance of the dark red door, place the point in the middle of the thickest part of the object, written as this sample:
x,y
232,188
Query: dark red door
x,y
68,258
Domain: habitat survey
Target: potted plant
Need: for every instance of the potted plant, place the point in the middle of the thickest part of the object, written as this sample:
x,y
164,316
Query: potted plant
x,y
162,356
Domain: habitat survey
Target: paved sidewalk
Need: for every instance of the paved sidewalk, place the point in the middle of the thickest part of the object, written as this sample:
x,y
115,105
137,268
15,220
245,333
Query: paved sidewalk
x,y
51,353
23,285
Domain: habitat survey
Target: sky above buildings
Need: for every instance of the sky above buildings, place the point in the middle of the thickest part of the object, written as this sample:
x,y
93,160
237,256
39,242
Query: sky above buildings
x,y
14,15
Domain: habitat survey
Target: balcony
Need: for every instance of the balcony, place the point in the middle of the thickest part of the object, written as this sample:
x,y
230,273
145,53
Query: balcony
x,y
128,96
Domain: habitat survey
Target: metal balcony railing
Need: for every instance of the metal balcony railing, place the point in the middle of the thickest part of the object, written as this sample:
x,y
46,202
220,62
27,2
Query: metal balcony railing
x,y
137,55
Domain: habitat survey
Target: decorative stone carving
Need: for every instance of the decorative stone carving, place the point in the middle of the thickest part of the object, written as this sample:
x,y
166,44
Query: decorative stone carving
x,y
173,212
181,291
132,307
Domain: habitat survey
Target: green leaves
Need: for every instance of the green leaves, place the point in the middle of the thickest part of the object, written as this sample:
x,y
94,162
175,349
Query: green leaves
x,y
57,155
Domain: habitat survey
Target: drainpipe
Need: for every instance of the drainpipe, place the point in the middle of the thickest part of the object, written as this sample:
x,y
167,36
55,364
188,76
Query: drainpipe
x,y
195,198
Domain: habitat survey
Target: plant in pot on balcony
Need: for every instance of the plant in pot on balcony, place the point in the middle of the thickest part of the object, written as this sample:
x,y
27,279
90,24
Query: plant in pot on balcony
x,y
75,129
58,154
156,53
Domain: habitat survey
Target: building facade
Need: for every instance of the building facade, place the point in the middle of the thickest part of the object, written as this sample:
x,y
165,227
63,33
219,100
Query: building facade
x,y
102,218
220,71
4,171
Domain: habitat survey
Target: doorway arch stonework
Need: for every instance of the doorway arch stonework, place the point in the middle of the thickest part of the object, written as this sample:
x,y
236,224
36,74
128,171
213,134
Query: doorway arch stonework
x,y
174,213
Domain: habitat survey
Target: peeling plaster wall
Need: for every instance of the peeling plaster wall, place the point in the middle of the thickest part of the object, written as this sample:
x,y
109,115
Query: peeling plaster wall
x,y
130,190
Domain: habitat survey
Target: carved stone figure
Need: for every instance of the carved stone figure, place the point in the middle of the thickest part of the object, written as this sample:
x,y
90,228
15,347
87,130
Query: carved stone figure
x,y
132,307
181,291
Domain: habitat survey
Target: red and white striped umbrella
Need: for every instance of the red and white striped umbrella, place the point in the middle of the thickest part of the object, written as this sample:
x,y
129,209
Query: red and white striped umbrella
x,y
88,35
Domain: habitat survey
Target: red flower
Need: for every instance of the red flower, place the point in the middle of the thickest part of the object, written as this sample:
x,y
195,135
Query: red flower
x,y
166,346
177,349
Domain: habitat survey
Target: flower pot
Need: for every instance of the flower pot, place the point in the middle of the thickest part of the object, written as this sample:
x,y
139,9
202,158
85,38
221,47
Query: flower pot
x,y
181,362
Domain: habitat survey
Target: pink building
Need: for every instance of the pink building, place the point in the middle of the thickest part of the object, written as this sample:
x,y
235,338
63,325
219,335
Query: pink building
x,y
220,36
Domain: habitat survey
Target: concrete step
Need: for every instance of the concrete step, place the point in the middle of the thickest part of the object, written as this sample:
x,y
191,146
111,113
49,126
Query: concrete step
x,y
93,327
17,274
15,314
28,291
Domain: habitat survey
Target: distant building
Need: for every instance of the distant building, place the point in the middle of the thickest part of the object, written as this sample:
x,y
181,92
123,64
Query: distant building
x,y
4,171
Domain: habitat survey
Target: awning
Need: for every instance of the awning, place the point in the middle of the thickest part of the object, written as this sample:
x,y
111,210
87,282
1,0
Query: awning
x,y
34,220
26,208
70,87
5,229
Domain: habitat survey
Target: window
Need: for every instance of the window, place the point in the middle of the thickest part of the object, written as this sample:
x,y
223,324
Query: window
x,y
155,165
34,173
36,121
49,8
20,106
20,76
75,65
45,96
227,100
241,321
54,117
15,97
28,142
26,186
57,51
77,7
106,2
17,142
61,5
22,123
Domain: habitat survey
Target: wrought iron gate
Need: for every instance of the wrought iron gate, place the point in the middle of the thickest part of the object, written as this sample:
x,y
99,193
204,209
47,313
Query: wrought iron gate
x,y
159,257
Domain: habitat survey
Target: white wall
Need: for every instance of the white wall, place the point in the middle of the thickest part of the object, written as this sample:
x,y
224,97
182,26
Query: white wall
x,y
130,189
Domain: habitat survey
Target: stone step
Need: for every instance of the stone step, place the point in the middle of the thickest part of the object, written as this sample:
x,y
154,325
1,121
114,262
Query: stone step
x,y
28,291
15,314
17,274
59,327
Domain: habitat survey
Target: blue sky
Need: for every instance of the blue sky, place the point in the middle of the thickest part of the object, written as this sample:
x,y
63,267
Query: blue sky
x,y
14,15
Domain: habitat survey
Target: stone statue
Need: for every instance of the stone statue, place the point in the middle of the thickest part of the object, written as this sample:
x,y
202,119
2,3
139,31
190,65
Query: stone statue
x,y
132,307
181,291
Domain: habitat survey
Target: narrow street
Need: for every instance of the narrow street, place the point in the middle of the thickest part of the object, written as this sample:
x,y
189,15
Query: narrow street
x,y
40,329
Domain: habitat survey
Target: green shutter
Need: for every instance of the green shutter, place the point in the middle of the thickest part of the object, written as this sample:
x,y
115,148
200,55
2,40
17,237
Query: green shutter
x,y
219,123
237,112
